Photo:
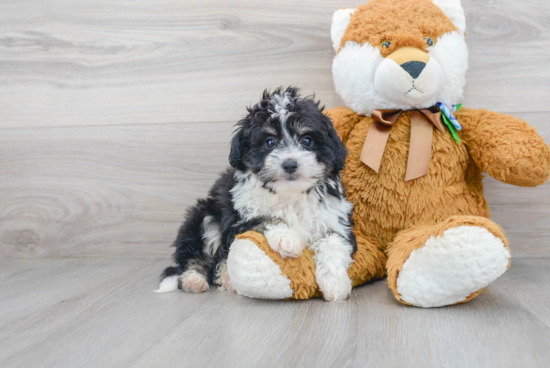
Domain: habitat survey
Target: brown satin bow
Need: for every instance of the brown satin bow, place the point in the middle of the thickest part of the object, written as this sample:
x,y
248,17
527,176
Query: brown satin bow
x,y
420,147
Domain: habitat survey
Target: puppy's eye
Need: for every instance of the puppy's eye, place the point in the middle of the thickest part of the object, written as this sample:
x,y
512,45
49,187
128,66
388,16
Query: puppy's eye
x,y
429,41
307,141
386,44
270,142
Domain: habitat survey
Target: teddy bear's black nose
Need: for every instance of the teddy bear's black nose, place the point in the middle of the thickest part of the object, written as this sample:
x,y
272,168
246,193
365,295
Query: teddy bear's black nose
x,y
414,68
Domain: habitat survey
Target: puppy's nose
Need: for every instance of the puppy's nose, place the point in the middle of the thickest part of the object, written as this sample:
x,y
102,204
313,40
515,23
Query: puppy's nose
x,y
414,68
290,166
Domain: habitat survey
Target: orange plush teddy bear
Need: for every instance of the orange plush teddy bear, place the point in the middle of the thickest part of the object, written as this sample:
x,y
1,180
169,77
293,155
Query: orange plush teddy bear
x,y
415,161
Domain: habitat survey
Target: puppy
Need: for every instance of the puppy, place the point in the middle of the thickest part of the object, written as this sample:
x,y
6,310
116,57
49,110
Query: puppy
x,y
284,182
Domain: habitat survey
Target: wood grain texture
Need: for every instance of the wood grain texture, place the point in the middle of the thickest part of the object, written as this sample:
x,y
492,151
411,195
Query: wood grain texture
x,y
97,191
140,62
116,116
103,313
122,190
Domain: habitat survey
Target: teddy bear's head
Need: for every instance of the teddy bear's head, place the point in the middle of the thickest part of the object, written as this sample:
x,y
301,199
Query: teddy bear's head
x,y
400,54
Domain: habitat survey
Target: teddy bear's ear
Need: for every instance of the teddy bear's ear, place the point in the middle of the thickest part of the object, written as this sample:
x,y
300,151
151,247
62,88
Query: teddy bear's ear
x,y
453,9
340,22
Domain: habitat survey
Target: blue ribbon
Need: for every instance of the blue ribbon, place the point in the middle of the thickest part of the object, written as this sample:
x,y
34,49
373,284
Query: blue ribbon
x,y
445,110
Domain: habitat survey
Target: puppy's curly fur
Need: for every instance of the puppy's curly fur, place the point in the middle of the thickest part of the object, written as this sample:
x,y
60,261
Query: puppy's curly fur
x,y
284,182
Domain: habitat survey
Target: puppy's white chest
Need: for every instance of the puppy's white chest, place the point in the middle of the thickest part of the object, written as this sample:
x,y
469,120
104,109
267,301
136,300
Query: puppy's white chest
x,y
301,215
311,215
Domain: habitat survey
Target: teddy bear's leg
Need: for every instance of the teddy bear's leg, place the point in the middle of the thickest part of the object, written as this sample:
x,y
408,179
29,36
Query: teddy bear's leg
x,y
257,271
369,261
447,263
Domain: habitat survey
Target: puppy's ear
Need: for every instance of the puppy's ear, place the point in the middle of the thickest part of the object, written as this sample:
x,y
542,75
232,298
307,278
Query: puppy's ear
x,y
238,150
336,145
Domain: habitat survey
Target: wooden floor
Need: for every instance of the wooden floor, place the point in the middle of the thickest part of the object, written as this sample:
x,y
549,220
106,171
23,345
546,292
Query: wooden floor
x,y
103,313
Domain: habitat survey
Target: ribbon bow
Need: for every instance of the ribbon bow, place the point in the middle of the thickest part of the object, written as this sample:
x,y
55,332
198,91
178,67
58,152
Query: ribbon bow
x,y
420,147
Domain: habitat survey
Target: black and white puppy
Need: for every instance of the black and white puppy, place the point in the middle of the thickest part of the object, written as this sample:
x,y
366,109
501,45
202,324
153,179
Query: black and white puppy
x,y
284,182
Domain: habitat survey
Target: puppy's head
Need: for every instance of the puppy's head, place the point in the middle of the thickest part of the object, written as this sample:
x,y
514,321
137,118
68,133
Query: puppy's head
x,y
287,142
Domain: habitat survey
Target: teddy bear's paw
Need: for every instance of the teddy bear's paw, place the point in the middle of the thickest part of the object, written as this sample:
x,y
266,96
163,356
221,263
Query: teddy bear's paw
x,y
254,274
451,267
284,241
193,282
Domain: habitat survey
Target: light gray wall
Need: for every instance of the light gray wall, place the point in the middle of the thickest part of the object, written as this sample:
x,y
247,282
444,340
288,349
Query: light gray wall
x,y
116,115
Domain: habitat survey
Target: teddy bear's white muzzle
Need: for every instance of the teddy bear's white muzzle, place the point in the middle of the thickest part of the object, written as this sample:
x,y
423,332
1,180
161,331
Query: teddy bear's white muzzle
x,y
411,83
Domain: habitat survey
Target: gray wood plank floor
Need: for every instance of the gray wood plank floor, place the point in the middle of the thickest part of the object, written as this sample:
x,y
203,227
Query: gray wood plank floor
x,y
103,313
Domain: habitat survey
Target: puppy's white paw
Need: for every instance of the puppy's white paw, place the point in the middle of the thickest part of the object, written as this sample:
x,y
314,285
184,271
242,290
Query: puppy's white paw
x,y
332,259
193,282
335,287
285,241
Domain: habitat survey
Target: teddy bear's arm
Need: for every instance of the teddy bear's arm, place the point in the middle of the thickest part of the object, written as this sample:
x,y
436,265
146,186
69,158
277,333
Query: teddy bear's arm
x,y
344,120
506,147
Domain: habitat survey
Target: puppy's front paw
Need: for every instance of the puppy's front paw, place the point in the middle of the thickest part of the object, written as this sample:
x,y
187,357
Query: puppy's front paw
x,y
335,287
285,241
332,260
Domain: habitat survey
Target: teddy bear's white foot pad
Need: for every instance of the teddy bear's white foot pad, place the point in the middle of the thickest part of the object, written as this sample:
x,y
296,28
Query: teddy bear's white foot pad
x,y
254,274
449,268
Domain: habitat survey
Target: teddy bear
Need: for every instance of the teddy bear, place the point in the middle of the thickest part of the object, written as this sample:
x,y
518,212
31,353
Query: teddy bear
x,y
414,166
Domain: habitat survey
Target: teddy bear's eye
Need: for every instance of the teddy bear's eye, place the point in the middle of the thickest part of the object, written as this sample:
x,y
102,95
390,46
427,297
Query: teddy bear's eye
x,y
429,41
386,44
